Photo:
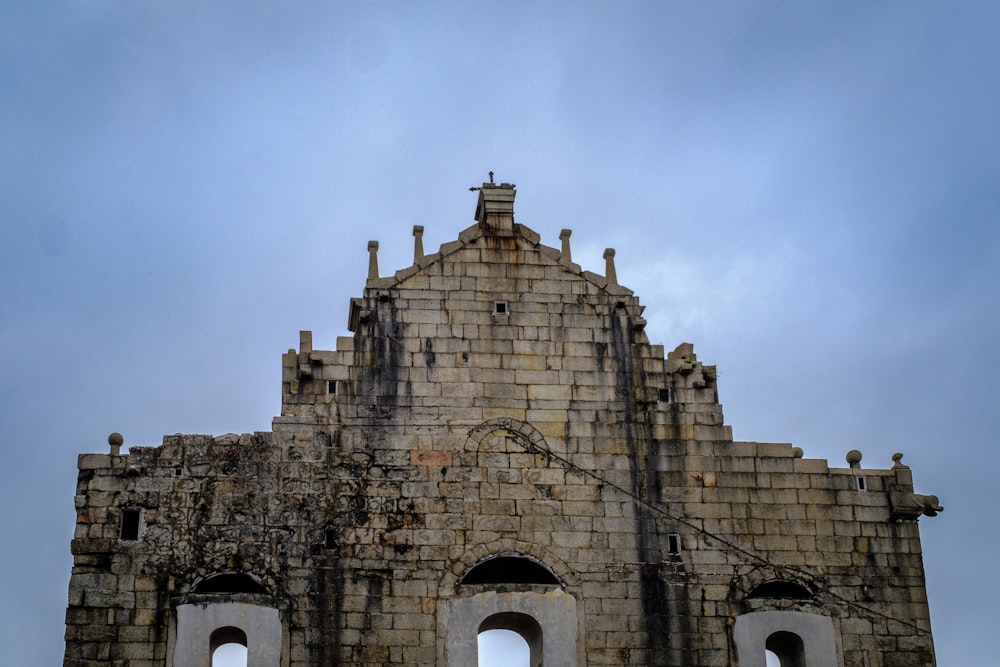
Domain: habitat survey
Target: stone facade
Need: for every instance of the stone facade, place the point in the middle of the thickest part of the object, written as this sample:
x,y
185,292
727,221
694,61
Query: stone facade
x,y
496,446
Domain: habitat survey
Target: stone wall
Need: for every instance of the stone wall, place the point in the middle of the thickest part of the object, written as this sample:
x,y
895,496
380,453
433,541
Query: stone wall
x,y
498,445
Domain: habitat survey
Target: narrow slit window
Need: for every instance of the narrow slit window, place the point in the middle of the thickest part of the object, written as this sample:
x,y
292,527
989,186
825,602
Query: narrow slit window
x,y
664,396
131,525
862,484
331,387
674,544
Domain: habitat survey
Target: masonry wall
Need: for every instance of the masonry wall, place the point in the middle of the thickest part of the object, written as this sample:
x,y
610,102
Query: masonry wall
x,y
496,400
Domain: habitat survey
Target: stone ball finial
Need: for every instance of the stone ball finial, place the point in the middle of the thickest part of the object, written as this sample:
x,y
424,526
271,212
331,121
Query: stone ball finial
x,y
853,458
897,460
797,452
116,441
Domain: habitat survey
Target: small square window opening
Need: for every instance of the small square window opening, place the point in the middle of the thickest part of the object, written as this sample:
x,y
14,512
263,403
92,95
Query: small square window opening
x,y
500,308
131,524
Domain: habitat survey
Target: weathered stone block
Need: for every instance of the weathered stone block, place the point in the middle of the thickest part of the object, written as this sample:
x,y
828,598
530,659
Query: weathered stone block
x,y
416,453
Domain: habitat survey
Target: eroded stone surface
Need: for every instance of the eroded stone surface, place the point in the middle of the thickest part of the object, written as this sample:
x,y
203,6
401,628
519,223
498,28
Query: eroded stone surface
x,y
449,431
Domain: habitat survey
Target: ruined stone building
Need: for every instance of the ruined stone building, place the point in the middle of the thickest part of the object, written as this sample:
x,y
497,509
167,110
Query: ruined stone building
x,y
496,446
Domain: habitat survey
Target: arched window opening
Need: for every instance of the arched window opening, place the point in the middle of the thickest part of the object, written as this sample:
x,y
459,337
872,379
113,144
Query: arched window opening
x,y
510,570
229,583
788,648
784,590
772,659
503,648
510,639
230,655
228,647
208,623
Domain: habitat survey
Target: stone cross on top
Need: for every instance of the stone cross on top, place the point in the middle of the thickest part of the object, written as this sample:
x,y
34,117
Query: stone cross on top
x,y
491,184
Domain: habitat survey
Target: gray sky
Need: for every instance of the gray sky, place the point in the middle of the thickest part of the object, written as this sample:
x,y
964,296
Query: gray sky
x,y
806,191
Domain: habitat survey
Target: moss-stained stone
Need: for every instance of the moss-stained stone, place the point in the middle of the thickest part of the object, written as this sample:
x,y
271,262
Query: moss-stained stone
x,y
458,465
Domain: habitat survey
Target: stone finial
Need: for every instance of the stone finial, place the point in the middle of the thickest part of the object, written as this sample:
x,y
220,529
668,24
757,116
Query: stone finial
x,y
418,243
853,458
897,461
797,452
566,257
116,441
609,266
373,260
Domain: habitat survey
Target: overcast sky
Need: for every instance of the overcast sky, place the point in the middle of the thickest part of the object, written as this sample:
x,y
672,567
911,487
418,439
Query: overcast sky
x,y
809,192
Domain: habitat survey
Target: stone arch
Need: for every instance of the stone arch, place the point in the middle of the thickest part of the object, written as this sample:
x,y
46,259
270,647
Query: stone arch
x,y
225,636
780,589
227,579
524,433
229,582
205,622
788,647
510,568
771,583
548,621
798,638
224,607
465,609
478,553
